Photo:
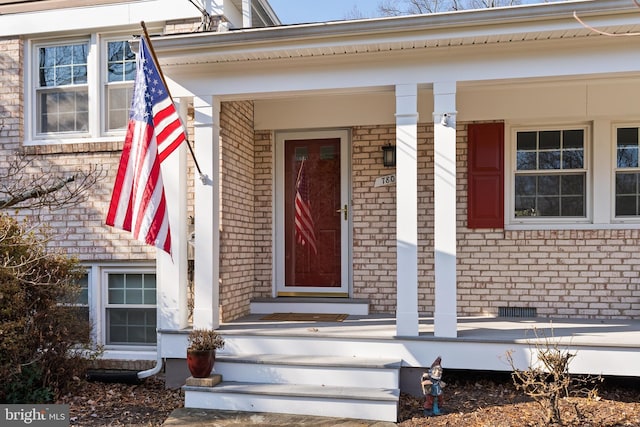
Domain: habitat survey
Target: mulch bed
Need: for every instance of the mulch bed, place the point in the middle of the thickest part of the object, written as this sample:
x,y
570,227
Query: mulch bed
x,y
470,400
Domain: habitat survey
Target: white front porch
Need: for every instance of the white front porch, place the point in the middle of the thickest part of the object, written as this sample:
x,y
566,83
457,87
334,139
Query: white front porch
x,y
334,367
607,347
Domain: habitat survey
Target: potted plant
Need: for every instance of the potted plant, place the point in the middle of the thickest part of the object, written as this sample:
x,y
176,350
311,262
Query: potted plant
x,y
201,352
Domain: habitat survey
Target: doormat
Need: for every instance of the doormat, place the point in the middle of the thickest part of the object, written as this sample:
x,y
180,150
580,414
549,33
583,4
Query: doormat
x,y
306,317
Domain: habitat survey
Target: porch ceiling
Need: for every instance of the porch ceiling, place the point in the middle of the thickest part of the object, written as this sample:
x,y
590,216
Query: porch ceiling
x,y
553,21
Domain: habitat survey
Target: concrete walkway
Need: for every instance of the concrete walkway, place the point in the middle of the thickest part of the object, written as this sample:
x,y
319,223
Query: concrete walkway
x,y
213,418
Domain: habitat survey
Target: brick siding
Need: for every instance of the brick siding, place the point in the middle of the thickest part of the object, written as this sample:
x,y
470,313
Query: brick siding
x,y
237,242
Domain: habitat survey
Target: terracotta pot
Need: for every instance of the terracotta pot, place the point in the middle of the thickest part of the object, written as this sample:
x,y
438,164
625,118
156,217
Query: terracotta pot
x,y
200,362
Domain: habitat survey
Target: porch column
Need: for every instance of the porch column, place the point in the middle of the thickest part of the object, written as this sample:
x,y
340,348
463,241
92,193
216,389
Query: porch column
x,y
206,311
407,209
171,278
444,118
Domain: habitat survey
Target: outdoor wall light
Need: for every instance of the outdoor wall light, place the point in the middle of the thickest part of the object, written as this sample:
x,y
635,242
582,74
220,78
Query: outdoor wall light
x,y
389,155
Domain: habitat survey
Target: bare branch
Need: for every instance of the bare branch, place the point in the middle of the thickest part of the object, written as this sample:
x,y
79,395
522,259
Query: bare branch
x,y
26,184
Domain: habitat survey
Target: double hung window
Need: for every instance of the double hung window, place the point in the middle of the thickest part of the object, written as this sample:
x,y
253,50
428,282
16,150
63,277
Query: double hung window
x,y
62,93
551,173
120,73
82,88
627,173
131,309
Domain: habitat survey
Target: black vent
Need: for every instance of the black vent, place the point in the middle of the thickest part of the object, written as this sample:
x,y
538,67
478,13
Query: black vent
x,y
517,312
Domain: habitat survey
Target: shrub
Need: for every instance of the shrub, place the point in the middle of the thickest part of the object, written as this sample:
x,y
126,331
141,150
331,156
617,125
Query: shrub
x,y
39,351
548,380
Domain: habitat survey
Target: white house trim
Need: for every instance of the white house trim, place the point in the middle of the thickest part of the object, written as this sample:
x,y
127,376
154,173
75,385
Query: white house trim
x,y
407,209
206,312
445,227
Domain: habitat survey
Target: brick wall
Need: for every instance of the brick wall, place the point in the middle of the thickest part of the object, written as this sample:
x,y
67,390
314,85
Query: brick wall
x,y
11,95
263,213
373,216
80,230
237,242
561,273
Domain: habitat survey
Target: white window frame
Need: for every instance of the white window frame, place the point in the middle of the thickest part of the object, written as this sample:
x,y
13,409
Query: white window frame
x,y
32,115
96,83
615,170
104,85
539,222
104,305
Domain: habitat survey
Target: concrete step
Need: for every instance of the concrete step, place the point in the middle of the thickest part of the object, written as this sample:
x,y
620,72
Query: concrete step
x,y
317,400
310,370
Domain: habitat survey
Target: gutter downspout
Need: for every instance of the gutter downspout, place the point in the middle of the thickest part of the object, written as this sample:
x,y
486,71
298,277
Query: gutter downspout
x,y
159,361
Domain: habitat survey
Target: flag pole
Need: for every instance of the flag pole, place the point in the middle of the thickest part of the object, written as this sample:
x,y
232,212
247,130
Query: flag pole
x,y
155,59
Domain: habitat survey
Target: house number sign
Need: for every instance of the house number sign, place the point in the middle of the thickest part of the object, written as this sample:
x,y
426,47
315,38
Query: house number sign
x,y
381,181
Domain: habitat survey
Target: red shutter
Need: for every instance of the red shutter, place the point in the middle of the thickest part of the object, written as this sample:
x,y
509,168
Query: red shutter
x,y
485,175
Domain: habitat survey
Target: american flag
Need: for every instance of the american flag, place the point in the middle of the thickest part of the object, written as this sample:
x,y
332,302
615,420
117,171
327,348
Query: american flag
x,y
154,131
305,229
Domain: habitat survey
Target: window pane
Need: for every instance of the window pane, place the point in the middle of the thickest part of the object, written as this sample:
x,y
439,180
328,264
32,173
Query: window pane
x,y
133,288
549,206
131,326
627,136
573,185
550,195
627,194
80,74
572,159
627,140
526,160
572,206
573,138
549,160
550,140
525,185
134,281
527,141
120,62
549,185
83,298
627,157
116,296
62,65
149,296
626,206
63,111
133,296
118,103
626,183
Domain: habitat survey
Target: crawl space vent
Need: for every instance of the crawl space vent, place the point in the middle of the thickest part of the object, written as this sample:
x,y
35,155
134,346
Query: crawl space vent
x,y
517,312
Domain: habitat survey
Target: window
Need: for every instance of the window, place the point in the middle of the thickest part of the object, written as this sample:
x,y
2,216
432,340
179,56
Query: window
x,y
550,173
62,95
120,73
77,306
627,175
131,309
82,88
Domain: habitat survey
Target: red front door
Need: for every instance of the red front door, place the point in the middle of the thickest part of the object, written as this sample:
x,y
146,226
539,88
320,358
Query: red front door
x,y
313,214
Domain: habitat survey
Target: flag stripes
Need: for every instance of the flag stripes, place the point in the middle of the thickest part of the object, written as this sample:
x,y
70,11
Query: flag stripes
x,y
154,131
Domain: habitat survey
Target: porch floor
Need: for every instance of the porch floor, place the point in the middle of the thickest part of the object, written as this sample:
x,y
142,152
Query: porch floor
x,y
579,332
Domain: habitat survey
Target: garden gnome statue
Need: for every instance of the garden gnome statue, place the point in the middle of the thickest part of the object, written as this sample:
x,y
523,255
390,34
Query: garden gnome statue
x,y
432,386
